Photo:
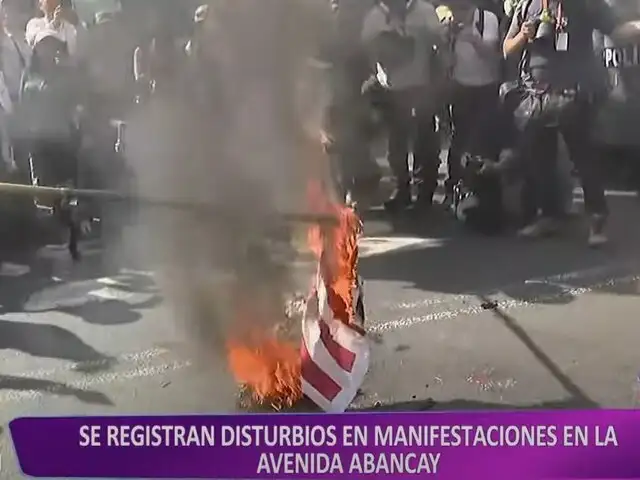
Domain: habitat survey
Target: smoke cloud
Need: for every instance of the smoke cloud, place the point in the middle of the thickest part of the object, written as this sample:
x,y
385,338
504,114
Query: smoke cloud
x,y
249,156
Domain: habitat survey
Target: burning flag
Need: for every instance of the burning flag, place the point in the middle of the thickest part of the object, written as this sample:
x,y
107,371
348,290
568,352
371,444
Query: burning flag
x,y
334,351
330,364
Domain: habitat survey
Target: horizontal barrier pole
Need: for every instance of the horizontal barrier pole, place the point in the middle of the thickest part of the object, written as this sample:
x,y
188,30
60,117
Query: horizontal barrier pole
x,y
175,204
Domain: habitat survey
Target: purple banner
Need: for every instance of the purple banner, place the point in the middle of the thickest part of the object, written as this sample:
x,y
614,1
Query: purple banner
x,y
497,445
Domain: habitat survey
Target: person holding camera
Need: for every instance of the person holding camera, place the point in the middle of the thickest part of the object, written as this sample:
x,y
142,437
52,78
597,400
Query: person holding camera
x,y
559,83
476,73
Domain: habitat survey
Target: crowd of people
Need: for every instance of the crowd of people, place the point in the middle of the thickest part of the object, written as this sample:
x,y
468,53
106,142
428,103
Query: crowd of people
x,y
498,85
64,85
508,81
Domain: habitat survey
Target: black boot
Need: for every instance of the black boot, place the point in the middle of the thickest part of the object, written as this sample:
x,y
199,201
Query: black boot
x,y
401,200
424,200
67,213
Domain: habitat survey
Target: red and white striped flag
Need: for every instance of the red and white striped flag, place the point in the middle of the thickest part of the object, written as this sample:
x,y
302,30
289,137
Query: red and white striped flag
x,y
335,356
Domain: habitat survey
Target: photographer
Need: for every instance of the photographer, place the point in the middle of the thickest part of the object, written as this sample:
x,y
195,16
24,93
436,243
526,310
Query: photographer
x,y
559,83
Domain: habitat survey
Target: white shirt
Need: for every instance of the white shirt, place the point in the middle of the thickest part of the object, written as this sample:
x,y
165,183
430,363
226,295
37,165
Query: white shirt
x,y
38,28
470,68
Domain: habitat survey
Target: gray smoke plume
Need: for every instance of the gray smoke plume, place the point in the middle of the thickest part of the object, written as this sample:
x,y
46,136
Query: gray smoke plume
x,y
245,156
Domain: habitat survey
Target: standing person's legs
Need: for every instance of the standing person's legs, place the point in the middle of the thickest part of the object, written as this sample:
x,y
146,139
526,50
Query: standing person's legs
x,y
461,119
354,112
358,171
483,136
366,172
576,131
445,126
426,155
400,129
540,145
43,154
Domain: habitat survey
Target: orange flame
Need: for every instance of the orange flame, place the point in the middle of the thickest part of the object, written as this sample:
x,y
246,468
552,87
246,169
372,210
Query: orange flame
x,y
270,366
336,248
261,359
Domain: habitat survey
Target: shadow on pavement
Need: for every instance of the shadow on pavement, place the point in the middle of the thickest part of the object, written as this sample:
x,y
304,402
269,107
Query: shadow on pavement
x,y
40,291
48,341
468,263
110,312
24,384
514,327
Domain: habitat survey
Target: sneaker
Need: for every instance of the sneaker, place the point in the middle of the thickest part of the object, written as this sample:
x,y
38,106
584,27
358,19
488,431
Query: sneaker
x,y
597,237
543,227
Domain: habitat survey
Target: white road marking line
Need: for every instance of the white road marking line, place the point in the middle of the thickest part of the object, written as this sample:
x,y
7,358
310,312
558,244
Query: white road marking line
x,y
108,293
141,273
373,246
87,384
127,358
511,304
13,270
575,275
111,282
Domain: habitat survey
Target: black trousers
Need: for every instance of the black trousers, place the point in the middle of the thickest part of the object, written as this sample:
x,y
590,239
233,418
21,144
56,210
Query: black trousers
x,y
348,119
55,162
474,112
351,151
411,127
542,161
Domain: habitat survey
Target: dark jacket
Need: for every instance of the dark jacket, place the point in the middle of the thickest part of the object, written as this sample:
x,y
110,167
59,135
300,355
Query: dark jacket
x,y
47,107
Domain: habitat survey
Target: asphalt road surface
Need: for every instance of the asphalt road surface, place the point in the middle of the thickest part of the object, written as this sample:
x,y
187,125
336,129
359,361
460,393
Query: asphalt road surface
x,y
100,338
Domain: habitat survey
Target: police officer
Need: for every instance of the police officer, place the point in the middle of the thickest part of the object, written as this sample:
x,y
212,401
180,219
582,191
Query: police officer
x,y
560,70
